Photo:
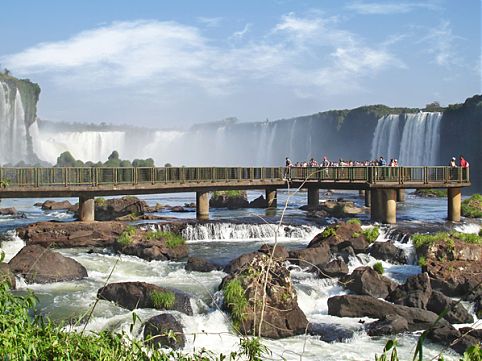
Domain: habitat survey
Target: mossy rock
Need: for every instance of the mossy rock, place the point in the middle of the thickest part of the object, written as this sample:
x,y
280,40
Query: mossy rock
x,y
472,207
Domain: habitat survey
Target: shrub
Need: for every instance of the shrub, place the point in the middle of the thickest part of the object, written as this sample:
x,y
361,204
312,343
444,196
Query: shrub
x,y
355,235
236,301
4,183
163,299
100,201
420,240
422,261
378,267
436,193
472,207
371,234
354,221
126,237
328,231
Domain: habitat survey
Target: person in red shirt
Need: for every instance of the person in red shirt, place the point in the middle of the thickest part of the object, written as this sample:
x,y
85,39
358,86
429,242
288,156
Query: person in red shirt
x,y
463,163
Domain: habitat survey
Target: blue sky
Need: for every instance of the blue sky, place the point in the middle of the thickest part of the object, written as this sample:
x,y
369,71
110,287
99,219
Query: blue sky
x,y
168,64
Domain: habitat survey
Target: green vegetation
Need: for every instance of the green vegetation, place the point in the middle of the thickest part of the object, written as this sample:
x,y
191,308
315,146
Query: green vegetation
x,y
253,349
125,238
328,232
172,240
163,299
472,207
420,240
435,193
355,235
378,267
236,301
354,221
100,201
422,261
229,194
4,183
66,159
371,234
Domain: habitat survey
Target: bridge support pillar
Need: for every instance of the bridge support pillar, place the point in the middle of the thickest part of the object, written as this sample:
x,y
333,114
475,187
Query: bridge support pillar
x,y
400,195
454,204
361,193
271,197
86,208
384,205
202,205
368,198
313,196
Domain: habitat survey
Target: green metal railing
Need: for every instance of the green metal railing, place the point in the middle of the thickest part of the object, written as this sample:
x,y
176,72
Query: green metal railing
x,y
42,177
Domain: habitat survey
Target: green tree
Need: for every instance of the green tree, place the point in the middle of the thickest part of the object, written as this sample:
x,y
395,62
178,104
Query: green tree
x,y
65,160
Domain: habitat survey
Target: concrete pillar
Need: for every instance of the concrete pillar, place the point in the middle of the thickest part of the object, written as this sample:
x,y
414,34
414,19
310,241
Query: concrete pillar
x,y
454,197
271,197
313,196
202,205
384,205
361,193
368,198
400,195
86,208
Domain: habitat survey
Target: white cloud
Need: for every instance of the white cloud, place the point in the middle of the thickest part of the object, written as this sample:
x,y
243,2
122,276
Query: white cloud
x,y
440,42
210,22
379,8
240,34
308,55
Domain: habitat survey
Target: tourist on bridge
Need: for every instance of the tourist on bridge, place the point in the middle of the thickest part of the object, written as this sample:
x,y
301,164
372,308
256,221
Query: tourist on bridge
x,y
463,163
382,162
452,163
288,166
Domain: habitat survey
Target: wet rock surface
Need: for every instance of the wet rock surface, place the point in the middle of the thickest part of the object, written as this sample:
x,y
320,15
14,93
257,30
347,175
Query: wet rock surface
x,y
199,264
159,329
113,208
366,281
37,264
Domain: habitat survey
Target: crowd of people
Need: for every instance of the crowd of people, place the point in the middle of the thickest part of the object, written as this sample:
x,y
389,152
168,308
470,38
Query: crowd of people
x,y
325,162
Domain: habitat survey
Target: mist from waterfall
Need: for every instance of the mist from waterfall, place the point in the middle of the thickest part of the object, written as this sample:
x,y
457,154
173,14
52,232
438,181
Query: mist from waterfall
x,y
413,138
13,133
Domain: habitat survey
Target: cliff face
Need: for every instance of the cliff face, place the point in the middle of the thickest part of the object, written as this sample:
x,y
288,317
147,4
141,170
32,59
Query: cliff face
x,y
18,111
461,134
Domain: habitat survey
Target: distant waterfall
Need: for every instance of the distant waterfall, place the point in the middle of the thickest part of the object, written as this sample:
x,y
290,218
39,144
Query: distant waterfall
x,y
418,143
13,133
420,139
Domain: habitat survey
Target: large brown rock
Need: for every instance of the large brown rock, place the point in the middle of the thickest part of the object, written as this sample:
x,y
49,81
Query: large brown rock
x,y
41,265
415,292
368,306
240,263
50,205
282,316
225,200
71,234
312,256
334,268
6,274
11,211
438,302
367,281
111,209
132,295
387,325
159,329
340,236
387,251
199,264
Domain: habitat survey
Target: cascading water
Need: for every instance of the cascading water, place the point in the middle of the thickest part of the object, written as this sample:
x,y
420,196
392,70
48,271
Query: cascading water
x,y
13,133
419,141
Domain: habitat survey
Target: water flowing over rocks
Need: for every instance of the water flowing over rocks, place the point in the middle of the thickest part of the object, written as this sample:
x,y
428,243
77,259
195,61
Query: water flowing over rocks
x,y
158,330
41,265
133,295
281,317
6,274
367,281
71,234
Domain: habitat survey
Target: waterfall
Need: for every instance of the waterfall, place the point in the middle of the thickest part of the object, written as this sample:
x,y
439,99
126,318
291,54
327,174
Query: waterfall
x,y
419,140
386,137
243,231
292,140
13,133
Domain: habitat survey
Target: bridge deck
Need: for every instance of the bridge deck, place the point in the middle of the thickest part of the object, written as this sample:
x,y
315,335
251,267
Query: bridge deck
x,y
62,182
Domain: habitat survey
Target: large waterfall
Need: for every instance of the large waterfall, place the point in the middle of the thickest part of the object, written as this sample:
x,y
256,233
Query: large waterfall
x,y
413,139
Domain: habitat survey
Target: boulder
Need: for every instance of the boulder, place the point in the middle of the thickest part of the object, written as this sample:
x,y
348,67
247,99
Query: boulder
x,y
330,332
414,293
111,209
313,256
224,199
243,299
455,278
335,268
153,250
55,206
180,209
71,234
358,244
239,264
133,295
199,264
280,252
11,211
457,313
387,325
450,336
474,332
368,306
164,331
336,234
259,202
387,251
41,265
367,281
7,275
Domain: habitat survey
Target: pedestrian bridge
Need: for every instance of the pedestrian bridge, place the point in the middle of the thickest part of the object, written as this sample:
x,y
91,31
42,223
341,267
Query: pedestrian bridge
x,y
383,186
